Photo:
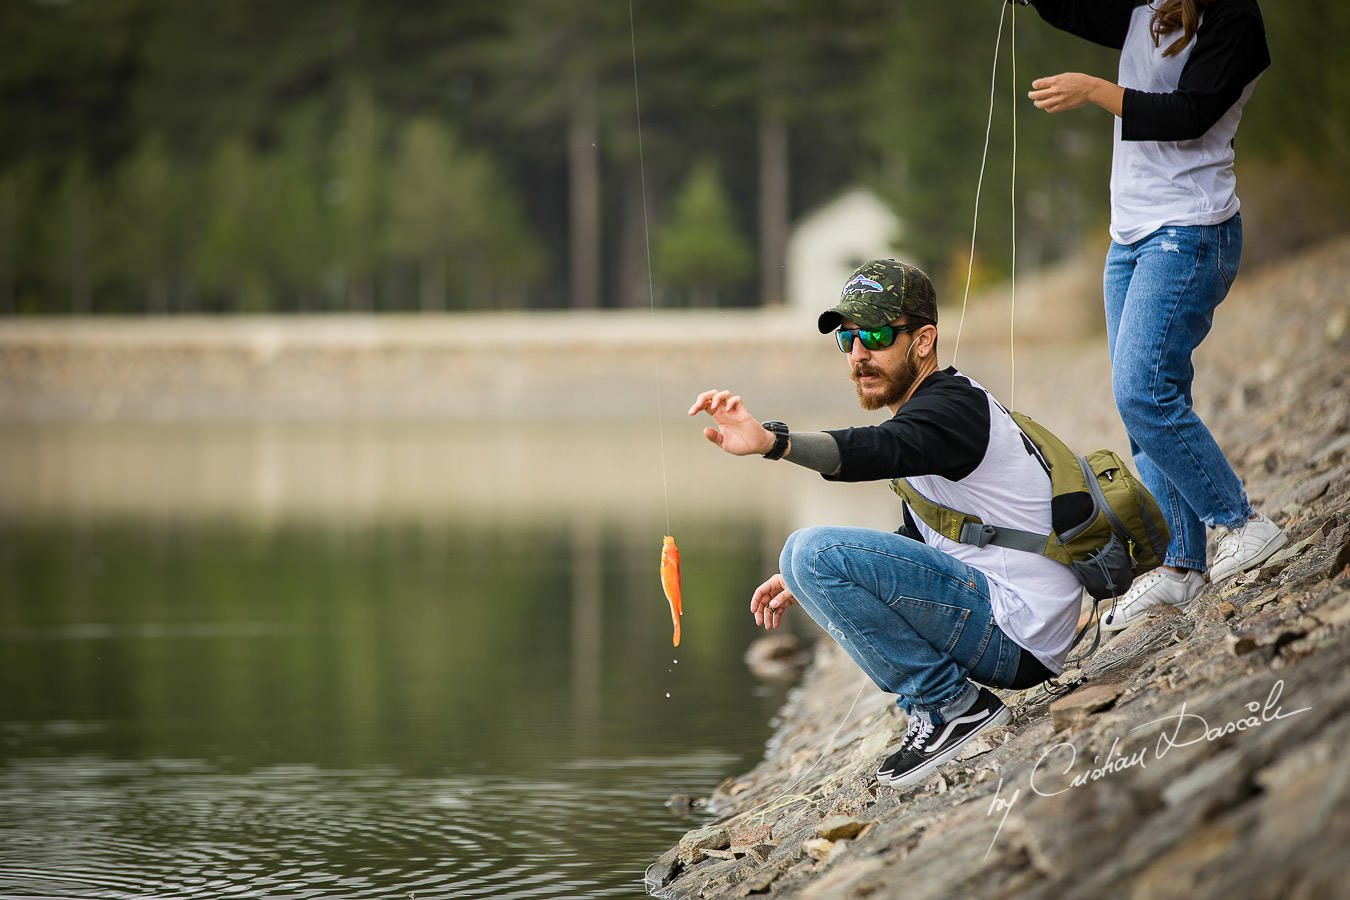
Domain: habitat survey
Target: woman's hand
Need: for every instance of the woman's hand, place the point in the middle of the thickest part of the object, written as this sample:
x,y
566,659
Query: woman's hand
x,y
1071,90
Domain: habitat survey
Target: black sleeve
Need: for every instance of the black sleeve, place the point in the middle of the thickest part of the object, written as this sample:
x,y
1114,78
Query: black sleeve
x,y
1230,50
1103,22
942,430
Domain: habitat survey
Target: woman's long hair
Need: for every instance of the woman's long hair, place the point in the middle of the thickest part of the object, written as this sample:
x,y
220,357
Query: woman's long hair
x,y
1170,16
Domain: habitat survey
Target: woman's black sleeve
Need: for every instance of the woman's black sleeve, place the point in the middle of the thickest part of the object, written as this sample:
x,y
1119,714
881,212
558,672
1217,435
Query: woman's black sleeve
x,y
1230,51
1103,22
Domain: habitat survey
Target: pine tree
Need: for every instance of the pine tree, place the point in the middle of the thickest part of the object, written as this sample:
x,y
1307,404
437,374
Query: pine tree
x,y
699,253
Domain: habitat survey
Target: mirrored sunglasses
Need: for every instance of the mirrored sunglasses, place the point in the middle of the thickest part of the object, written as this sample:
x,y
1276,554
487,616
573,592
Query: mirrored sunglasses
x,y
872,338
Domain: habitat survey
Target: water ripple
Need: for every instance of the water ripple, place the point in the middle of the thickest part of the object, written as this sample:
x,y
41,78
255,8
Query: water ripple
x,y
90,827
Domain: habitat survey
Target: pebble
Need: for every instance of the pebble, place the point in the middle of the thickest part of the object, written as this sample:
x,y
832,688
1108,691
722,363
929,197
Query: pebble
x,y
840,828
1073,710
818,848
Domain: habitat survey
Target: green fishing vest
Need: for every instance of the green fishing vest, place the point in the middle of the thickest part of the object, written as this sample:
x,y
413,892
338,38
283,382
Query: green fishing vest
x,y
1105,524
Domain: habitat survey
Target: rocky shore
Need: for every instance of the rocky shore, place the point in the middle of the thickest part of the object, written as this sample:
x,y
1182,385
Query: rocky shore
x,y
1197,754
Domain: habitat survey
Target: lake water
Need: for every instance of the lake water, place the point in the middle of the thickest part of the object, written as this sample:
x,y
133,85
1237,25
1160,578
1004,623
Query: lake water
x,y
375,661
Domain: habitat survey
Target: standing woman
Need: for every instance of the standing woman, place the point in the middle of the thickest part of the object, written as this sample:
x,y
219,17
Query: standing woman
x,y
1187,68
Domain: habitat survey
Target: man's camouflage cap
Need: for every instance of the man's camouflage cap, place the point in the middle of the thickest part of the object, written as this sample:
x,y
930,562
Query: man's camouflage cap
x,y
878,293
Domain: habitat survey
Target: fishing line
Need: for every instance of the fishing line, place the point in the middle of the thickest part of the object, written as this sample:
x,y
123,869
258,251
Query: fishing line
x,y
647,245
670,555
1012,201
786,797
979,183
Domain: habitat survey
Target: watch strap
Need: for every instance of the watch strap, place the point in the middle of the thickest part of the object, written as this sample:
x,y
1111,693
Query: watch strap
x,y
780,439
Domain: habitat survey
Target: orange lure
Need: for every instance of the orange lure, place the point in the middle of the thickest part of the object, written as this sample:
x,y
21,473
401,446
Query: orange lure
x,y
670,581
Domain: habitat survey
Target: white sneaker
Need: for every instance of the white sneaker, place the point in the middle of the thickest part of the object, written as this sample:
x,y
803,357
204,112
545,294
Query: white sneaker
x,y
1158,587
1239,549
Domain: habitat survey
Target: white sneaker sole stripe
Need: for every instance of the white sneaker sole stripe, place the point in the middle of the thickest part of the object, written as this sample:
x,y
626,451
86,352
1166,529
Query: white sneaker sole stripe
x,y
959,720
923,771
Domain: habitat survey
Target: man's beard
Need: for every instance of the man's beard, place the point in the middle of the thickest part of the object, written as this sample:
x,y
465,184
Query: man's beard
x,y
890,387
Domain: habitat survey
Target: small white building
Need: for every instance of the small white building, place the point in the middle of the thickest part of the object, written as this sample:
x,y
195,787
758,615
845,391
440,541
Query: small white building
x,y
829,242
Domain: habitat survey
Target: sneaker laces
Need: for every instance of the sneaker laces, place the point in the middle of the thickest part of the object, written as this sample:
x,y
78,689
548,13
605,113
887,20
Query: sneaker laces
x,y
1227,542
1221,532
1144,582
1119,605
916,732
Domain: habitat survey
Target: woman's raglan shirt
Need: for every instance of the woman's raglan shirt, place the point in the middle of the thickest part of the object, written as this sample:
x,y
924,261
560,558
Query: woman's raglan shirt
x,y
958,447
1172,160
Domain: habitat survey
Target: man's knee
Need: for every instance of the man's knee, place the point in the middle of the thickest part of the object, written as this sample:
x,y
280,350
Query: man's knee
x,y
802,550
795,548
785,555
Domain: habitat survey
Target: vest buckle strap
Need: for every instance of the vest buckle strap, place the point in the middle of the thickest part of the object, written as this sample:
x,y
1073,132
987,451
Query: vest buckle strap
x,y
977,533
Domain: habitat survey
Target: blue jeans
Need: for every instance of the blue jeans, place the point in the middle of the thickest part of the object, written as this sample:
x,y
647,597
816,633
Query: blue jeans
x,y
917,621
1160,294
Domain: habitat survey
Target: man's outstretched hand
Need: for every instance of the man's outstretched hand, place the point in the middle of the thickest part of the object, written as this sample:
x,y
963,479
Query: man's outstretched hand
x,y
738,432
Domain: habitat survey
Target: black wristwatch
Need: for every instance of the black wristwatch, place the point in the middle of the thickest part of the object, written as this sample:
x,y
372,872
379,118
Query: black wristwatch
x,y
780,439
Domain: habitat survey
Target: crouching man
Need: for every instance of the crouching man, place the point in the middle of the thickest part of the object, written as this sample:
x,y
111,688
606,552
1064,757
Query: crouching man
x,y
933,621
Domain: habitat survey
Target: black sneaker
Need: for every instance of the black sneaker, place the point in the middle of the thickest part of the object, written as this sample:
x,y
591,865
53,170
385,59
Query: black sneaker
x,y
927,746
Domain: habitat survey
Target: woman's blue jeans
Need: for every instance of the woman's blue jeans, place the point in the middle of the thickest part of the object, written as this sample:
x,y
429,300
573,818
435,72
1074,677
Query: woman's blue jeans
x,y
917,621
1160,295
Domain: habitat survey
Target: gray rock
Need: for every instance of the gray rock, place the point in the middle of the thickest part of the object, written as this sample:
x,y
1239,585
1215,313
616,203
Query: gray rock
x,y
1073,710
839,828
693,844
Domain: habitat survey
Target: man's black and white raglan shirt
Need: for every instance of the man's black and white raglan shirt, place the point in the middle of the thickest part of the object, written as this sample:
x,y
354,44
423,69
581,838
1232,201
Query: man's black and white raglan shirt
x,y
1172,161
960,448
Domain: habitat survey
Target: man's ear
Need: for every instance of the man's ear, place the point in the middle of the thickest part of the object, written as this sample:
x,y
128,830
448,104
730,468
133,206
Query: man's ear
x,y
926,338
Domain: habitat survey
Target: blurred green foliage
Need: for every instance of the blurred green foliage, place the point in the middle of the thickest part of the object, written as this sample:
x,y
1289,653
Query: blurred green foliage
x,y
253,156
700,249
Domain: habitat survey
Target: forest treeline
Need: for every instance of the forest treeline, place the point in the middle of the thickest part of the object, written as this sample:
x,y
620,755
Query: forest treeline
x,y
160,156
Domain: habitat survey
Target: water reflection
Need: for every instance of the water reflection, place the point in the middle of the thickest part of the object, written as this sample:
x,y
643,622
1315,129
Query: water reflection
x,y
654,475
462,694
